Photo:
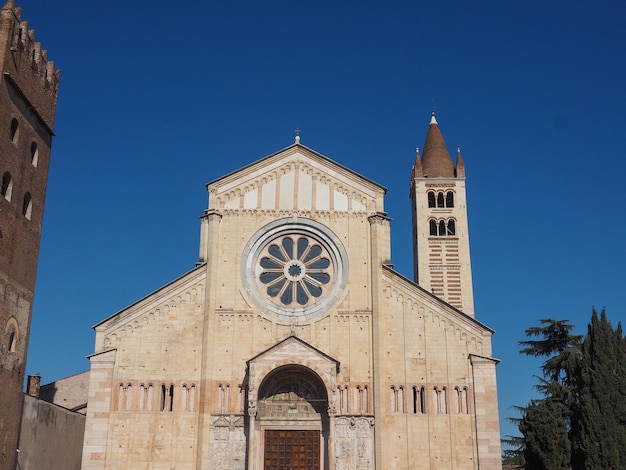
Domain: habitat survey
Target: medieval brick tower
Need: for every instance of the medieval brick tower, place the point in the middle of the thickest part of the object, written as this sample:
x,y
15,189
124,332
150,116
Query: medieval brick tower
x,y
28,96
441,254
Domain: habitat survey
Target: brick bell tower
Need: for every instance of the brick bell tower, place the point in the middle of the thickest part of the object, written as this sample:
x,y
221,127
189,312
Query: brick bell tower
x,y
441,253
28,96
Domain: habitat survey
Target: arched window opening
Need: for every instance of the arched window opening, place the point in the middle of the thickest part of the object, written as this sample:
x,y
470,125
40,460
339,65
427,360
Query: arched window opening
x,y
163,397
451,227
27,207
120,397
171,398
7,186
143,392
450,199
423,400
431,199
150,393
440,201
129,397
14,132
440,397
415,400
192,398
12,342
184,398
442,228
433,228
34,154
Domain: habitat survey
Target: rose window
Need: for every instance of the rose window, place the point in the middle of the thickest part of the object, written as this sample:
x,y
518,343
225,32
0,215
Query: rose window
x,y
295,270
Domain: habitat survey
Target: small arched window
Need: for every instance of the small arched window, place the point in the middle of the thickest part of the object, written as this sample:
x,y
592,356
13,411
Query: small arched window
x,y
7,186
450,199
451,227
431,199
442,227
14,132
433,228
27,207
440,200
34,153
163,397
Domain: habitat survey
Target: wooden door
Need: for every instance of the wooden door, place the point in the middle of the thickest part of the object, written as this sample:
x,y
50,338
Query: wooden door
x,y
292,450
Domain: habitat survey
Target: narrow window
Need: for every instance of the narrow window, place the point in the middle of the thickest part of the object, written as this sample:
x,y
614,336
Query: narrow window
x,y
431,199
171,399
450,199
129,397
415,398
192,398
433,228
423,400
163,397
120,397
150,393
442,228
440,202
142,397
27,207
12,342
184,398
364,400
7,186
14,133
451,227
34,153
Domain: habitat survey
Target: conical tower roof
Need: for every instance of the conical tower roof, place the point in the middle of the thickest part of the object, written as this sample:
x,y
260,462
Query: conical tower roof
x,y
436,161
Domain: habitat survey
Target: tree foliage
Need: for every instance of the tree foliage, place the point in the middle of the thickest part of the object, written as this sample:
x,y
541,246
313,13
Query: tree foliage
x,y
599,425
580,423
546,440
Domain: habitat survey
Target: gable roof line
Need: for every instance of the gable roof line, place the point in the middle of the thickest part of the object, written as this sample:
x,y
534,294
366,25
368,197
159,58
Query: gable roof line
x,y
303,147
150,294
302,342
437,299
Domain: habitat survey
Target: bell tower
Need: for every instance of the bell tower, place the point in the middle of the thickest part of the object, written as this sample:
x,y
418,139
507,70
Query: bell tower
x,y
28,96
441,254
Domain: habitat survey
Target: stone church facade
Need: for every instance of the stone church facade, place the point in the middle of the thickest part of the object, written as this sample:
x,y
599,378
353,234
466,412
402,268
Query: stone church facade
x,y
293,343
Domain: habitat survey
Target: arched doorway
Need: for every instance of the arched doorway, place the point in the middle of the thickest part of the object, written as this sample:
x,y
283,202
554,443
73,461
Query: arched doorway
x,y
292,418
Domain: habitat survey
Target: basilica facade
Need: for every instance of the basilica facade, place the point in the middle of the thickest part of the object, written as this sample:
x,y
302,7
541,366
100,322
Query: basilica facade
x,y
293,343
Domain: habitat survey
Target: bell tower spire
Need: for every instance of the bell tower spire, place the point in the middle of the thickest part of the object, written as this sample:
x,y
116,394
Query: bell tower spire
x,y
441,254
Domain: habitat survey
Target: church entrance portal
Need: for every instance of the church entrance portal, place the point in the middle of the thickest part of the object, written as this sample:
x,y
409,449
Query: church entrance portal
x,y
292,414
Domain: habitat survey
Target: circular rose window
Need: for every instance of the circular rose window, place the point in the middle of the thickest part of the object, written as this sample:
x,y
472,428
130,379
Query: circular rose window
x,y
294,269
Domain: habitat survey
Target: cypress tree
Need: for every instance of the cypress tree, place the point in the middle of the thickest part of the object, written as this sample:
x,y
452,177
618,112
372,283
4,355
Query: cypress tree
x,y
599,420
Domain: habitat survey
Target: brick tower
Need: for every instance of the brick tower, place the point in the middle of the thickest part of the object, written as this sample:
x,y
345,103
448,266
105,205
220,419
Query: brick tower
x,y
28,96
441,253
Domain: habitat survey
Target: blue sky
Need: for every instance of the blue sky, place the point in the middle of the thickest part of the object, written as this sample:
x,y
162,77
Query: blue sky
x,y
157,98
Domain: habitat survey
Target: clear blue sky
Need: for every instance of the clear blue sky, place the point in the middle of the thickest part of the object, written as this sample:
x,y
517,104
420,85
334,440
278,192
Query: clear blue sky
x,y
157,98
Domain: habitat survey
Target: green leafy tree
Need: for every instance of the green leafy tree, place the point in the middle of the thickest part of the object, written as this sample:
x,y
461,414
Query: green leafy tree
x,y
599,423
545,423
559,345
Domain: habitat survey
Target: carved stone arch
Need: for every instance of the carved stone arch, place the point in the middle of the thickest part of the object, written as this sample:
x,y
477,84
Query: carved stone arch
x,y
297,385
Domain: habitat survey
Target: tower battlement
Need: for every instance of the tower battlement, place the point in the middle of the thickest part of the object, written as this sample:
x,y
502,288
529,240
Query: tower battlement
x,y
25,64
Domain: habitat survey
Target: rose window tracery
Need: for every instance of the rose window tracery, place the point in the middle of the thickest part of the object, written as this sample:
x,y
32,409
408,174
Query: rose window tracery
x,y
295,270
